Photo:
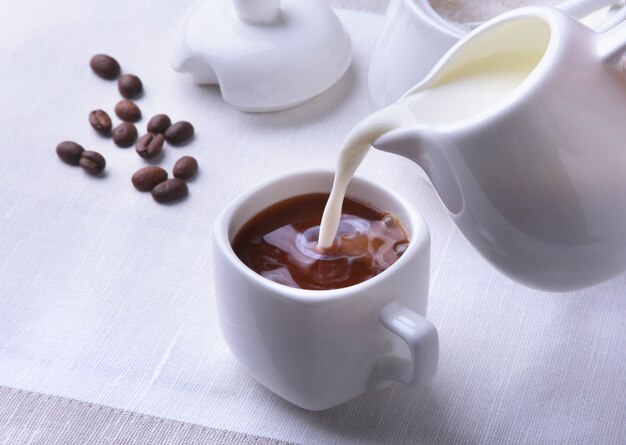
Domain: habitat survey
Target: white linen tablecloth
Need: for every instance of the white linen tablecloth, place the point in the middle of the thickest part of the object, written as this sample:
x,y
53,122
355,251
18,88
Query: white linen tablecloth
x,y
106,296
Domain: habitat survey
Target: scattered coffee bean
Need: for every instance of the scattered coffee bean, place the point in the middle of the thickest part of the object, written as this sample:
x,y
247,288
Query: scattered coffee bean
x,y
125,134
185,167
145,179
159,123
400,248
149,145
130,86
170,190
100,121
179,132
105,66
70,152
92,162
127,110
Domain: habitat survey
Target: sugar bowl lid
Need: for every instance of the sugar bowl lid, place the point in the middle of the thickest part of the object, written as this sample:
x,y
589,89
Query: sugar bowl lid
x,y
265,55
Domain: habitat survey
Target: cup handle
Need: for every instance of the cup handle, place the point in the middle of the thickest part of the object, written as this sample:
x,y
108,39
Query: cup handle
x,y
612,43
422,339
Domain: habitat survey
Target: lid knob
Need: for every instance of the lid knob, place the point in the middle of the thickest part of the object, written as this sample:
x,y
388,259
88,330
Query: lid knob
x,y
258,12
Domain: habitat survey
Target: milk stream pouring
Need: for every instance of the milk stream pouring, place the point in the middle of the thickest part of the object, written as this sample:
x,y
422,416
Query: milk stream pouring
x,y
464,94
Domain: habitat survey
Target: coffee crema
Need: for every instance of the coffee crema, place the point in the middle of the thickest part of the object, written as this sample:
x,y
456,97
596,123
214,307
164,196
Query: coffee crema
x,y
280,243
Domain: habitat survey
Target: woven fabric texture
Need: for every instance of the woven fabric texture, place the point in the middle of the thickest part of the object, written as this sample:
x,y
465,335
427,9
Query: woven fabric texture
x,y
31,418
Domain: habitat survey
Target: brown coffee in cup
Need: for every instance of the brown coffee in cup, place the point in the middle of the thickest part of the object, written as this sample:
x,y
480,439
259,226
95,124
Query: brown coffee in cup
x,y
280,243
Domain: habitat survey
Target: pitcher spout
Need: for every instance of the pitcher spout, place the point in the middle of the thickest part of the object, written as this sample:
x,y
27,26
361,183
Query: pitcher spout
x,y
406,141
423,145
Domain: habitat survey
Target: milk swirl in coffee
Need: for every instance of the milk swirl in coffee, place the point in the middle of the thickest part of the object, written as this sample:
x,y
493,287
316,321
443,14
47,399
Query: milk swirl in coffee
x,y
280,244
461,94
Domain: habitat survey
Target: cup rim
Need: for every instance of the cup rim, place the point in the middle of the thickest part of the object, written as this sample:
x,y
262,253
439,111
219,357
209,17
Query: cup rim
x,y
420,234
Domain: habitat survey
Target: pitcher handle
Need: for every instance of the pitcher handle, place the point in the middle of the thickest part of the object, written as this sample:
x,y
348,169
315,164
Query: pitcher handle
x,y
422,339
612,43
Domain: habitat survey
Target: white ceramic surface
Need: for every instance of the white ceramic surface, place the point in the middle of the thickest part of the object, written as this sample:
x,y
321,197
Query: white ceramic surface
x,y
265,55
318,349
536,183
414,38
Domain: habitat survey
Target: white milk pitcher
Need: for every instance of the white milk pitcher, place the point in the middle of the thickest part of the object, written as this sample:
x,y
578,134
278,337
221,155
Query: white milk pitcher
x,y
531,164
415,36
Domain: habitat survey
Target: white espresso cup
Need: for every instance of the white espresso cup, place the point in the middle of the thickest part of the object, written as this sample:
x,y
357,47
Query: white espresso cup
x,y
318,349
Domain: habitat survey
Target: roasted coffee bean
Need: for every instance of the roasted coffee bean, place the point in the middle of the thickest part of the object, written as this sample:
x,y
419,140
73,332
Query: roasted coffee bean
x,y
145,179
179,133
100,121
400,248
127,110
185,167
92,162
130,86
149,145
170,190
70,152
159,123
125,134
105,66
